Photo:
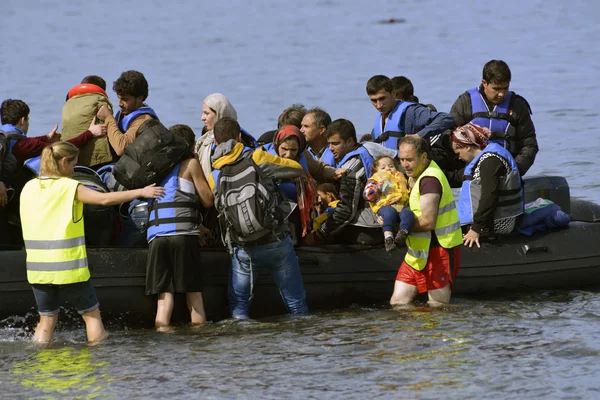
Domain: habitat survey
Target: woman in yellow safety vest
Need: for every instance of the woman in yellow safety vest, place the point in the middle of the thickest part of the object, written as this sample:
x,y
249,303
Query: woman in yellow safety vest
x,y
52,222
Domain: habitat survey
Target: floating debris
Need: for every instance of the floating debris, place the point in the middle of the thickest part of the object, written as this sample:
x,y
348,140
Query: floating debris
x,y
392,21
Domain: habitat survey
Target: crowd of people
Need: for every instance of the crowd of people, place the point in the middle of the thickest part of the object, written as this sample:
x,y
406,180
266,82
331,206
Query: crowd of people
x,y
309,182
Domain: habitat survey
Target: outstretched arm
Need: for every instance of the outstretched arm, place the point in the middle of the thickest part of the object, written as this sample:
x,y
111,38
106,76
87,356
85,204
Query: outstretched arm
x,y
90,196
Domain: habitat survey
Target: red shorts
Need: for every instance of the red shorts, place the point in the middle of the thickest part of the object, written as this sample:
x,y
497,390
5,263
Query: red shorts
x,y
439,271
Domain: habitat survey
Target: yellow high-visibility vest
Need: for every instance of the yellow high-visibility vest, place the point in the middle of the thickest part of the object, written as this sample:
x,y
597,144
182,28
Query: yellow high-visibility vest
x,y
447,225
52,222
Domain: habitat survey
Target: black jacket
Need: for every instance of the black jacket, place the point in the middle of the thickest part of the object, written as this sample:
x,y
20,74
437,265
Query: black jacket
x,y
526,146
352,208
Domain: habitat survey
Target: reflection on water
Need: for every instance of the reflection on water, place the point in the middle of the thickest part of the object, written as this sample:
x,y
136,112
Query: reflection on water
x,y
492,348
59,372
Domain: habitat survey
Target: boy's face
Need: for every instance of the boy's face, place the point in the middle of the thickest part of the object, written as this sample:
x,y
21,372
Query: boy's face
x,y
324,198
495,92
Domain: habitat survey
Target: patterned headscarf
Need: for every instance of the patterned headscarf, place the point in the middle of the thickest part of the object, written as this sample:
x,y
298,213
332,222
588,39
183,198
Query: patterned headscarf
x,y
471,135
287,132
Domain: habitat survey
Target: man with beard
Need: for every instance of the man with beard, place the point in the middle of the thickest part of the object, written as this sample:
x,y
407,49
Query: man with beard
x,y
132,90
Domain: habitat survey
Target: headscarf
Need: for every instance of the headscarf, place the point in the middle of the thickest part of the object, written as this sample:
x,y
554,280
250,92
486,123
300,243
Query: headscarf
x,y
203,148
221,106
289,131
471,135
305,185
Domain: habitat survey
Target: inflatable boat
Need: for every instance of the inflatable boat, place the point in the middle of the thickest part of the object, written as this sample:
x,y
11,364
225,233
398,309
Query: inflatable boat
x,y
337,276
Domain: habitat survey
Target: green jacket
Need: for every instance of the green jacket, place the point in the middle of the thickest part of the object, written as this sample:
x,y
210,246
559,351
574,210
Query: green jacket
x,y
77,115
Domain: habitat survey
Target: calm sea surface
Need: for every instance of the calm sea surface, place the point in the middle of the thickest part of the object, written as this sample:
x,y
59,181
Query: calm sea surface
x,y
265,56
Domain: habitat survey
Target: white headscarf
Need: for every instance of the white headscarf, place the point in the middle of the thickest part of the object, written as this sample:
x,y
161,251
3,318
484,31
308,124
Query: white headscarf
x,y
223,108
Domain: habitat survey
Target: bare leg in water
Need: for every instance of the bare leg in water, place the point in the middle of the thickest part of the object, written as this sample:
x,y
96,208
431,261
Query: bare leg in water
x,y
94,327
196,306
45,328
439,297
164,309
403,294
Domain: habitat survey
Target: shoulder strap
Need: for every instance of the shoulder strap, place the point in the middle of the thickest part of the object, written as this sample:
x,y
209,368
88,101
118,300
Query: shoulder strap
x,y
388,134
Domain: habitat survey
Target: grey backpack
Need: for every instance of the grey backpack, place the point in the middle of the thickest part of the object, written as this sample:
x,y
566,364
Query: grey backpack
x,y
246,200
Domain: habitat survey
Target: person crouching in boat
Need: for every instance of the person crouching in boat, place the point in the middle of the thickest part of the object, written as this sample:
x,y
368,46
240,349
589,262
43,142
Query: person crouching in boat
x,y
327,201
491,196
173,236
387,193
433,256
352,222
290,143
52,223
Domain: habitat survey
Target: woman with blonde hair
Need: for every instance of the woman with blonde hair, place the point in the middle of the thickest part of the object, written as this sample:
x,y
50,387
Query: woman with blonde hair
x,y
52,223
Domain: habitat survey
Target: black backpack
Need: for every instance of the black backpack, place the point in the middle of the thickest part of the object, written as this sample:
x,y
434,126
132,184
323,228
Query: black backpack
x,y
9,167
151,157
246,201
99,220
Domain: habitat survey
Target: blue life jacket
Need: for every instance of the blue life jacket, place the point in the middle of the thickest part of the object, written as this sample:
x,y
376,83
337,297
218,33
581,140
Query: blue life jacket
x,y
125,121
496,120
393,125
365,157
13,134
174,214
287,188
510,194
34,164
248,138
326,156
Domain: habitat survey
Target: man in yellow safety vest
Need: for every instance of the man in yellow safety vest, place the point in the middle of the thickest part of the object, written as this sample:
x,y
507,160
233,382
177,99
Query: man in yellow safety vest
x,y
433,256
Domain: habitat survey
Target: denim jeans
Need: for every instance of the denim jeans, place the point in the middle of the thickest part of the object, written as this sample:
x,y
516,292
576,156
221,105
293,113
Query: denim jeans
x,y
390,217
277,257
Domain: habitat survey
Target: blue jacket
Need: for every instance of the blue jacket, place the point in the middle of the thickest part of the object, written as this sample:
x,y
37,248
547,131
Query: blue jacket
x,y
394,122
496,120
125,121
287,188
365,157
510,193
325,156
174,214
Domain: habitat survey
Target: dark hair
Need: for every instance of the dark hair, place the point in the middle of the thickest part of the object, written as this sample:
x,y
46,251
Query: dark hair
x,y
420,144
379,82
328,188
226,129
95,80
496,71
342,127
131,83
404,88
185,132
367,137
292,116
378,158
320,116
13,110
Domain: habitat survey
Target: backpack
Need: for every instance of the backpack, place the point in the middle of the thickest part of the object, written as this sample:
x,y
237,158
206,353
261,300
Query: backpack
x,y
151,157
99,220
246,201
9,167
